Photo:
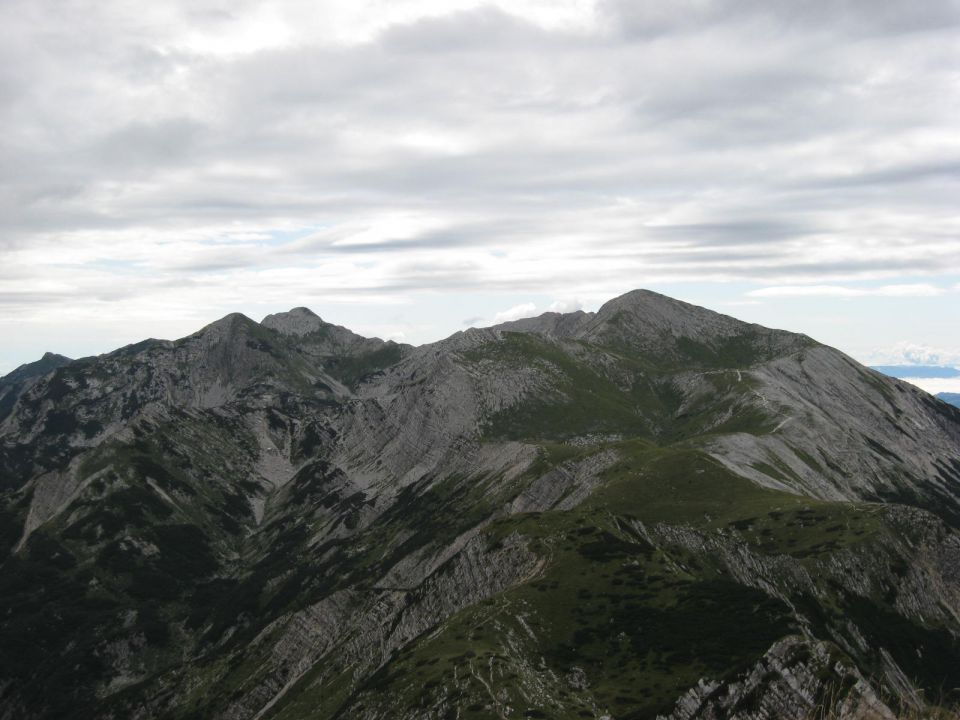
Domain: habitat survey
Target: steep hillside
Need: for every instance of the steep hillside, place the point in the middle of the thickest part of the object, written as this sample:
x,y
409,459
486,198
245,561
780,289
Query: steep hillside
x,y
651,510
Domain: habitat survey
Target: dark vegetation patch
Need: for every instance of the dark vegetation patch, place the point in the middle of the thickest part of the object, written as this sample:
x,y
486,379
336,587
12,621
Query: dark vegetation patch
x,y
640,627
261,345
584,402
285,568
809,460
881,450
313,439
609,547
586,399
184,551
351,370
164,563
933,499
927,655
429,512
318,484
739,351
61,422
11,526
52,628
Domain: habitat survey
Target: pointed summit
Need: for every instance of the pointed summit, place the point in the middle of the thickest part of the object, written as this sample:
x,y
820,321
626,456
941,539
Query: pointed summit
x,y
650,313
48,363
227,326
13,384
663,327
227,321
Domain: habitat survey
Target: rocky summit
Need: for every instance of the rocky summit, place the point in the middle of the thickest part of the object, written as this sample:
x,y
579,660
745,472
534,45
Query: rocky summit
x,y
651,511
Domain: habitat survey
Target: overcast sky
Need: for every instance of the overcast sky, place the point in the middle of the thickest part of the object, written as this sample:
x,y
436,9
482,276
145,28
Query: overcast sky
x,y
410,168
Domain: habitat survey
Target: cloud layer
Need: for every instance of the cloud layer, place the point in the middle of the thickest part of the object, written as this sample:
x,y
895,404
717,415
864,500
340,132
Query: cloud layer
x,y
177,158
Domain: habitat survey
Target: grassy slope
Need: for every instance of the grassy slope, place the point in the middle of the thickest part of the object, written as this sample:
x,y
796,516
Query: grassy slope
x,y
643,623
628,396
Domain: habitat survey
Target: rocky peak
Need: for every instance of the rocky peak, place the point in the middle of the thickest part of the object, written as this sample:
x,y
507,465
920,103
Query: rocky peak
x,y
650,313
664,327
313,335
228,323
636,315
298,321
49,362
228,329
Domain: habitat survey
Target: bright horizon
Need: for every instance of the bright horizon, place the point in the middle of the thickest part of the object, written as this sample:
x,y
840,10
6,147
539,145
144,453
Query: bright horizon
x,y
413,168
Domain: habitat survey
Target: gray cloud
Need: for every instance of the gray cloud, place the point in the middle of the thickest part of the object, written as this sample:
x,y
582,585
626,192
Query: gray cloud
x,y
936,170
849,17
724,140
149,145
734,232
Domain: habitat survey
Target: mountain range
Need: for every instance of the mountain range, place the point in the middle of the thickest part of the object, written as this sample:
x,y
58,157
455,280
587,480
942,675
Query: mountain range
x,y
952,398
651,511
914,372
918,371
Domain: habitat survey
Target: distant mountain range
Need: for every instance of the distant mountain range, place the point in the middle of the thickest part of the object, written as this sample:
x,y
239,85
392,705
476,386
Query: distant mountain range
x,y
917,371
924,372
952,398
649,511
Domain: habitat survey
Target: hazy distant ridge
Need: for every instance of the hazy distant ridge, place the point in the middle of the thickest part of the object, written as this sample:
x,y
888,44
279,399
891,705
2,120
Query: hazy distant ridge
x,y
917,371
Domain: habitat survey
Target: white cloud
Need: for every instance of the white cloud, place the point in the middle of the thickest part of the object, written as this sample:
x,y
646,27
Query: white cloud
x,y
262,28
517,312
911,353
166,161
936,385
565,306
920,354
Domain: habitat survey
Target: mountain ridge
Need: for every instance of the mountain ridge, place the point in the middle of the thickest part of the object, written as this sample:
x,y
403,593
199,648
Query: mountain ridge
x,y
284,519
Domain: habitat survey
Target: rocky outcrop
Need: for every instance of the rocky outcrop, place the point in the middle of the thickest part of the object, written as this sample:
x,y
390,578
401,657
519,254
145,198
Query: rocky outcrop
x,y
795,680
361,633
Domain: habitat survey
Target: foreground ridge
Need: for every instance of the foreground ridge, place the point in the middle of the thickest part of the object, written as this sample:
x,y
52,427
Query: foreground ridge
x,y
653,510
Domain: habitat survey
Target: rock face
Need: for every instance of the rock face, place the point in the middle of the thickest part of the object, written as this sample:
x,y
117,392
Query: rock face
x,y
651,510
787,683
